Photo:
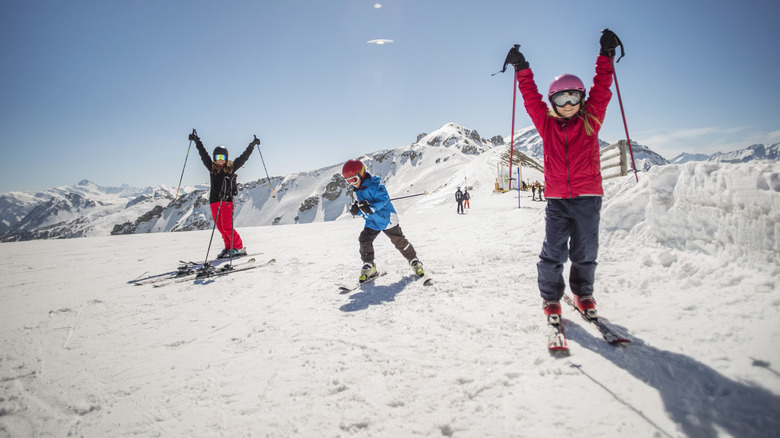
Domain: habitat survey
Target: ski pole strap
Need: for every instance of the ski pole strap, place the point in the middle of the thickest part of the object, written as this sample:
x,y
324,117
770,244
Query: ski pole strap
x,y
622,49
506,61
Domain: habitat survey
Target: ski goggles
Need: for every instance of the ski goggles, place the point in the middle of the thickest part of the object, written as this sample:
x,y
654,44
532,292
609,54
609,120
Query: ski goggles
x,y
352,179
219,157
561,98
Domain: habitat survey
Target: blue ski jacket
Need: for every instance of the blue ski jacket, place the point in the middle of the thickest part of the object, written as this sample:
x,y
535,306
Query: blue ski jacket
x,y
375,193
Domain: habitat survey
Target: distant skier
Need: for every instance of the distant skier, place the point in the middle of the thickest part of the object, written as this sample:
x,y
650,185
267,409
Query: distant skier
x,y
372,202
572,177
533,191
466,198
223,188
459,200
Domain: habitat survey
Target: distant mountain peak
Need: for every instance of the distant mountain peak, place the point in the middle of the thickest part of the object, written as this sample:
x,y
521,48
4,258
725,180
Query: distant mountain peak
x,y
458,136
753,152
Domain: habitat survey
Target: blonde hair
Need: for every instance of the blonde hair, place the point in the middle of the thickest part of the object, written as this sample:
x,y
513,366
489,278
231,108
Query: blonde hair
x,y
584,115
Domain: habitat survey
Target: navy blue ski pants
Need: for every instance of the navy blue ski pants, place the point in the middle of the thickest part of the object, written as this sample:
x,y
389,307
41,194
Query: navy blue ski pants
x,y
571,232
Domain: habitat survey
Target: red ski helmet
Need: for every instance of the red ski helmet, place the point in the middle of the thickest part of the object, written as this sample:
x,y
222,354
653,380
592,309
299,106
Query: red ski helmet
x,y
352,168
565,82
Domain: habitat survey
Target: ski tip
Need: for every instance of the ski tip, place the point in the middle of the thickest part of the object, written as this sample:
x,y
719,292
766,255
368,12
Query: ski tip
x,y
429,282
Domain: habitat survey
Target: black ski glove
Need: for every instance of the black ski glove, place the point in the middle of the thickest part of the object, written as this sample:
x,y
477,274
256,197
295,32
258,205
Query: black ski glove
x,y
354,208
609,42
364,207
255,142
194,137
515,58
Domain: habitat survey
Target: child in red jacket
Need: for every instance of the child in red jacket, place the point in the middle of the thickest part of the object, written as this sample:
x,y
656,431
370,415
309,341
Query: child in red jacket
x,y
572,174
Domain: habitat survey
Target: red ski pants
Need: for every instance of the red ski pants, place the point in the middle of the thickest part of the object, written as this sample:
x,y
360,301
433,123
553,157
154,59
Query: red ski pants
x,y
223,216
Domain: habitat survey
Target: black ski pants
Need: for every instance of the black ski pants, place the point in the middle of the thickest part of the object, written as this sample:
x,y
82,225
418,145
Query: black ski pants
x,y
396,236
574,222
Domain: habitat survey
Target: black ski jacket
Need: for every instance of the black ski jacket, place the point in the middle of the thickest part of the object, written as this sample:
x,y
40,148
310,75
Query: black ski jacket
x,y
223,178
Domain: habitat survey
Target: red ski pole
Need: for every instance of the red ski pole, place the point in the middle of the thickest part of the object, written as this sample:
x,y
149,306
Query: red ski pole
x,y
514,99
628,138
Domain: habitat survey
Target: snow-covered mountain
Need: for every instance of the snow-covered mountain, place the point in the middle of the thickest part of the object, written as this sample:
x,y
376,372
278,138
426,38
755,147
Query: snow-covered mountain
x,y
434,162
529,142
750,153
84,209
645,158
431,163
686,157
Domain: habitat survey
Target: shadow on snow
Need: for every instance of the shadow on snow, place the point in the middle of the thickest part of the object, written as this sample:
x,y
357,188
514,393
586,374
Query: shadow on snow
x,y
373,294
697,397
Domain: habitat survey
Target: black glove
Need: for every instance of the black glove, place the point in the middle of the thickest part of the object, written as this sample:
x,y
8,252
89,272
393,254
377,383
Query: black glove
x,y
515,58
194,137
364,207
255,142
609,42
354,208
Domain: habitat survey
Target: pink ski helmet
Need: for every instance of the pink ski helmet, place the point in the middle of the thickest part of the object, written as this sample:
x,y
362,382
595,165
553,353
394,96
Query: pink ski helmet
x,y
566,82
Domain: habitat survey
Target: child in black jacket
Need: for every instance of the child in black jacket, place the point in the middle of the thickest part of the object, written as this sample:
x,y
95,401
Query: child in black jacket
x,y
223,188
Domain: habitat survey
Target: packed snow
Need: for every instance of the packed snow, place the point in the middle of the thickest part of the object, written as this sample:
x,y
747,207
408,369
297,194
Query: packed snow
x,y
688,270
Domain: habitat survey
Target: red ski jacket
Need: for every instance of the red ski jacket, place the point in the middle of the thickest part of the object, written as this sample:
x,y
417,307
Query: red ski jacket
x,y
571,157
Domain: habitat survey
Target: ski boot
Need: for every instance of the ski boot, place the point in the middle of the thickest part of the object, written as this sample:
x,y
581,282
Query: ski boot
x,y
587,305
223,254
417,266
367,272
236,252
552,309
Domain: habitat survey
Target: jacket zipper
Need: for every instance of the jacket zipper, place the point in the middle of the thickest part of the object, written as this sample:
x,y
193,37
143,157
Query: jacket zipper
x,y
566,147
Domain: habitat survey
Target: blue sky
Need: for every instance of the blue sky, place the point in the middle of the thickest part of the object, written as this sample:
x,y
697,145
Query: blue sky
x,y
109,90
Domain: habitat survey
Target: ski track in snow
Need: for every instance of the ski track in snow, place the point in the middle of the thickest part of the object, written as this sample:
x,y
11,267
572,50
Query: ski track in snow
x,y
688,271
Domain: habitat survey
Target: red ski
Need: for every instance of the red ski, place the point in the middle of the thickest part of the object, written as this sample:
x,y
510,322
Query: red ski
x,y
607,332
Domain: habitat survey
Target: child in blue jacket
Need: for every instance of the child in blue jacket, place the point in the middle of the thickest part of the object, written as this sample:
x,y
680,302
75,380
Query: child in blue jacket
x,y
373,203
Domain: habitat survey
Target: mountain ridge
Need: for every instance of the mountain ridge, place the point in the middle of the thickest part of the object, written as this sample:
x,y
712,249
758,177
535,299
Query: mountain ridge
x,y
435,162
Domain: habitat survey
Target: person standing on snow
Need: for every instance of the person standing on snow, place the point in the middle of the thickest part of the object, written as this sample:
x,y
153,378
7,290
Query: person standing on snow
x,y
572,174
466,198
223,188
459,200
373,203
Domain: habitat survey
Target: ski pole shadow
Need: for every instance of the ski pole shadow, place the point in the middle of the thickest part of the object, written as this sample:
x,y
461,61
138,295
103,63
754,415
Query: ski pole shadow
x,y
698,398
374,294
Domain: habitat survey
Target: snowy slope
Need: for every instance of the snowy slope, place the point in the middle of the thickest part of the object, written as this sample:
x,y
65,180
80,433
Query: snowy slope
x,y
688,270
